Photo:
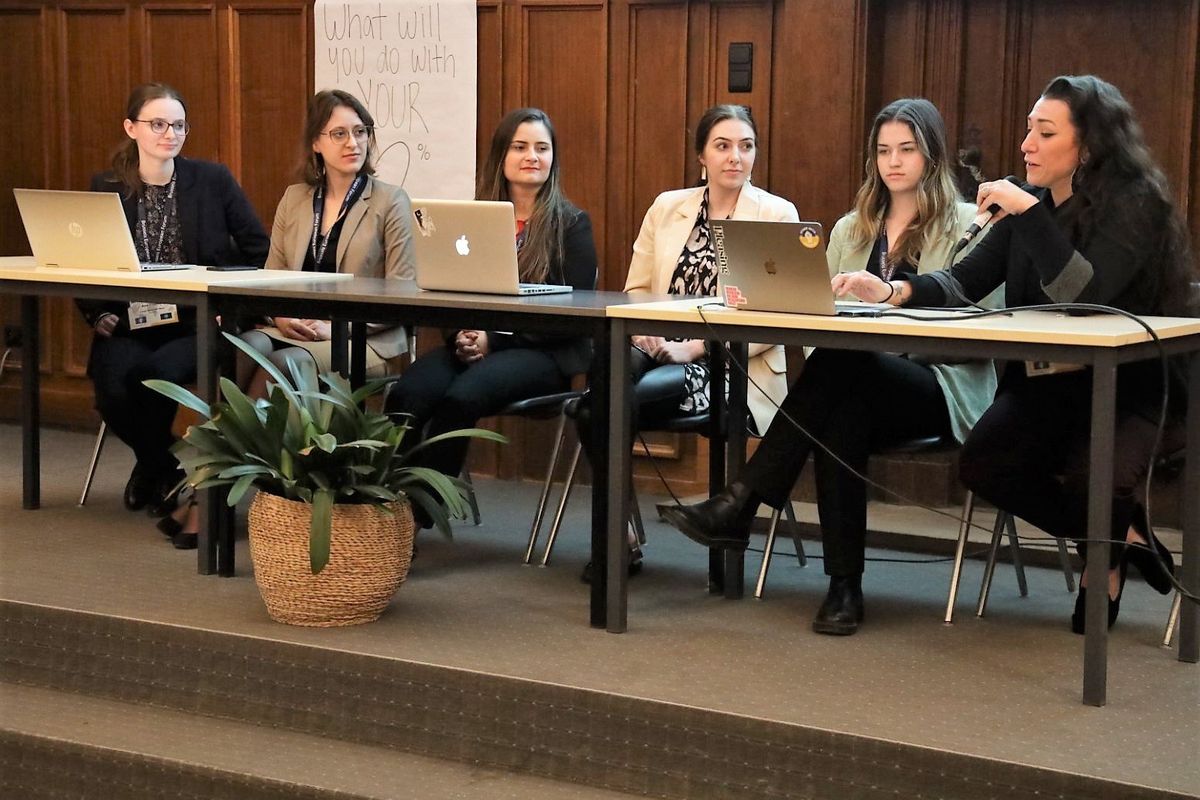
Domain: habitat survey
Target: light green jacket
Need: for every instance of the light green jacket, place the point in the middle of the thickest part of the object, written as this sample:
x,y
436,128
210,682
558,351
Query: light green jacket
x,y
969,387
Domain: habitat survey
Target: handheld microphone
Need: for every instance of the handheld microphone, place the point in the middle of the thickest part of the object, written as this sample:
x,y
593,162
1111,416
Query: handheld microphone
x,y
981,220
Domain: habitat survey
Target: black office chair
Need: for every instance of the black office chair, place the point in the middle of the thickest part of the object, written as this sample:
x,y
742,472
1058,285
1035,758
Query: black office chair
x,y
692,423
542,407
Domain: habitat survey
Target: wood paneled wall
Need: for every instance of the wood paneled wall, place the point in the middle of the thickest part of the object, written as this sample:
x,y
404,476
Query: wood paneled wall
x,y
624,81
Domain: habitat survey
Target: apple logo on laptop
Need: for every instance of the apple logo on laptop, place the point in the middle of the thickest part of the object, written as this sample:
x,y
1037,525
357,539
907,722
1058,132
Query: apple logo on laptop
x,y
75,229
462,245
770,266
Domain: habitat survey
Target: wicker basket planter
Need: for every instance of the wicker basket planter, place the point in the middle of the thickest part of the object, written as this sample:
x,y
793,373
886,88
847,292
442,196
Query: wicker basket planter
x,y
370,552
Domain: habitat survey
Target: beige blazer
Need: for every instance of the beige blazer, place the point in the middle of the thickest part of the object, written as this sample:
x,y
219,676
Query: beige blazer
x,y
376,242
967,386
665,231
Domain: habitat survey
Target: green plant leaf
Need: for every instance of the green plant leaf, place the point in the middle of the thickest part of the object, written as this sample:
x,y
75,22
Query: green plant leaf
x,y
239,488
263,362
179,395
378,492
320,530
477,433
433,509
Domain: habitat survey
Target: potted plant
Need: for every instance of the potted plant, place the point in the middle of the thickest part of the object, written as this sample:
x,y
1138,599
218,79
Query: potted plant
x,y
331,528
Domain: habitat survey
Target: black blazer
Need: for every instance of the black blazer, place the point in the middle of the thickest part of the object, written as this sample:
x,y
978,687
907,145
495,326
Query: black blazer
x,y
217,222
577,268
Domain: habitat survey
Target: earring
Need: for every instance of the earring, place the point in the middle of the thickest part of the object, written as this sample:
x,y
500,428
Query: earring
x,y
703,174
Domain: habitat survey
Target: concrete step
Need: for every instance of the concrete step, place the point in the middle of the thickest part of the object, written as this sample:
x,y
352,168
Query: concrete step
x,y
54,745
378,707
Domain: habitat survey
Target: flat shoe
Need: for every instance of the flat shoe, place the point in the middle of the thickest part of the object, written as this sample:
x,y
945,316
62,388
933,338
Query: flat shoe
x,y
185,541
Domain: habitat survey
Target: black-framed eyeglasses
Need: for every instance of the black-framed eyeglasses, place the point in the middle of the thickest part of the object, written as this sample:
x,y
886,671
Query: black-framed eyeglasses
x,y
341,135
159,126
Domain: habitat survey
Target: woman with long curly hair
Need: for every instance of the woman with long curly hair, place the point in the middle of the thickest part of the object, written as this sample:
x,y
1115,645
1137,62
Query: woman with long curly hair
x,y
1094,223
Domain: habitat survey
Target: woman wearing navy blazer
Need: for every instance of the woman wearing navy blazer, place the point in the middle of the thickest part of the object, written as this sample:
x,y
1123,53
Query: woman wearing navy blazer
x,y
673,254
477,372
180,211
340,219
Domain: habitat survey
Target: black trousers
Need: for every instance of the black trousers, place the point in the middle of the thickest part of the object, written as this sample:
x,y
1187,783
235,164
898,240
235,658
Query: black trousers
x,y
657,391
141,417
853,403
1028,455
443,394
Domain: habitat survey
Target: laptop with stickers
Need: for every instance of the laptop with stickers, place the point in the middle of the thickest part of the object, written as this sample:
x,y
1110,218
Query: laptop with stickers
x,y
470,246
776,266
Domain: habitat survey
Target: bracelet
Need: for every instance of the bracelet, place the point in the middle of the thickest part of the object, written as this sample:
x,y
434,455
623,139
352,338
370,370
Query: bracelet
x,y
891,293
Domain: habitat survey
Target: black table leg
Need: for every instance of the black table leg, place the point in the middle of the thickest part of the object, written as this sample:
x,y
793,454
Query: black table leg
x,y
358,354
206,389
610,487
735,456
1189,573
226,364
340,338
1100,492
31,410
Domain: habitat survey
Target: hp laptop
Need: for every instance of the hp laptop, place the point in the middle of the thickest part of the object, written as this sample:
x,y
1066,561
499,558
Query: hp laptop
x,y
470,246
777,266
80,230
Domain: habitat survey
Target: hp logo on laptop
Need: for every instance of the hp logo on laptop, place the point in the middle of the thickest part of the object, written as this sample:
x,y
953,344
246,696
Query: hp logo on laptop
x,y
75,229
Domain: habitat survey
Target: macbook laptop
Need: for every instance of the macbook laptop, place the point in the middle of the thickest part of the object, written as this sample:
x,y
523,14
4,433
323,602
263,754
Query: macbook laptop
x,y
80,230
470,246
777,266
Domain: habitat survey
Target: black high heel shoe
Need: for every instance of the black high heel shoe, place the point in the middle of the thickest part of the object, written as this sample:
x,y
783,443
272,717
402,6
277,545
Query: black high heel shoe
x,y
1154,560
1078,617
635,565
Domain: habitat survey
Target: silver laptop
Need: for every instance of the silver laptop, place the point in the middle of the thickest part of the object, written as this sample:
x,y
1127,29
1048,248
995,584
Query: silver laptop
x,y
470,246
80,230
777,266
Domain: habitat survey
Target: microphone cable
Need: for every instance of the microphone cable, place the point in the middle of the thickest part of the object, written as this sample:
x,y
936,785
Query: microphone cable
x,y
1087,307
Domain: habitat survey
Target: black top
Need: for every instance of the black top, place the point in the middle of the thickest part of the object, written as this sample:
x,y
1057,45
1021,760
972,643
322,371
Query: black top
x,y
901,270
1041,257
217,225
329,254
576,268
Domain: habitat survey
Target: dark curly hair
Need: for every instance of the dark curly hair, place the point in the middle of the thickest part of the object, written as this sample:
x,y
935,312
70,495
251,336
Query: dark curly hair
x,y
1115,164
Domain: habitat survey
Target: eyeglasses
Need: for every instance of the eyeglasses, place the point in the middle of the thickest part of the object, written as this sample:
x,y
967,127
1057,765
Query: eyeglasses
x,y
159,126
340,135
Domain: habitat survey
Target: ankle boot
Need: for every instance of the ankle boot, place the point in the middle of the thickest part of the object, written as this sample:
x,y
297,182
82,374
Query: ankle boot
x,y
842,610
721,521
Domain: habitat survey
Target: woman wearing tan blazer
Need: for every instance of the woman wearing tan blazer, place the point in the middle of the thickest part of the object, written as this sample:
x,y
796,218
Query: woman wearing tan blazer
x,y
673,254
341,219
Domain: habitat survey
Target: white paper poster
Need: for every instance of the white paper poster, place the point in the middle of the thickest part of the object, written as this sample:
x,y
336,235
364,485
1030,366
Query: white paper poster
x,y
413,65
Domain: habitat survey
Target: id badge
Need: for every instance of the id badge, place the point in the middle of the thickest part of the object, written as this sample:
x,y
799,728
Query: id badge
x,y
148,315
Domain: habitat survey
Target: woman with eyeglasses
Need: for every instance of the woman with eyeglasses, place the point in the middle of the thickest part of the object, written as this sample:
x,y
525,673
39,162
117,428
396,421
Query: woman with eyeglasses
x,y
340,219
182,211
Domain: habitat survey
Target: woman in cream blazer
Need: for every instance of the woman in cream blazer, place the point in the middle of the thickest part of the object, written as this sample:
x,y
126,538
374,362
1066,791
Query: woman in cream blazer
x,y
665,230
673,254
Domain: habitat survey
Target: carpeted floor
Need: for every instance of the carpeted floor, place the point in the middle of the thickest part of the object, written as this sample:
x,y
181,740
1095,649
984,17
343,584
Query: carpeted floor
x,y
1005,687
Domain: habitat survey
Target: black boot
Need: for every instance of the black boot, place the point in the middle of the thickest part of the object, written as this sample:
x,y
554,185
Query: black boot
x,y
721,521
842,610
140,489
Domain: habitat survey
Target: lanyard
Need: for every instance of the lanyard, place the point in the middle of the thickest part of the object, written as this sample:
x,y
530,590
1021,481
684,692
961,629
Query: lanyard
x,y
156,256
318,251
885,269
